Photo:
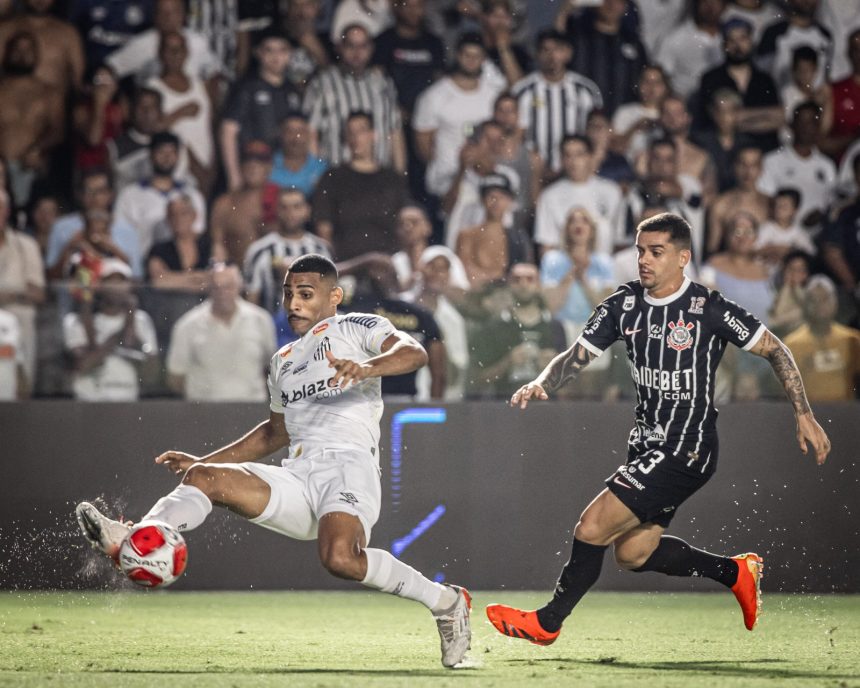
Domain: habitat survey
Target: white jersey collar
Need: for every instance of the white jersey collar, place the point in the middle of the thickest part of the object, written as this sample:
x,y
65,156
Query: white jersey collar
x,y
668,299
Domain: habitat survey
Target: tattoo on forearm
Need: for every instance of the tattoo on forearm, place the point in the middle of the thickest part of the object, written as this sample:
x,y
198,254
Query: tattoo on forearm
x,y
565,367
786,371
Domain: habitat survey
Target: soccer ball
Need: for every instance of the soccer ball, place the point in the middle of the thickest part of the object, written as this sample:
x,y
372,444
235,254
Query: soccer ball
x,y
153,554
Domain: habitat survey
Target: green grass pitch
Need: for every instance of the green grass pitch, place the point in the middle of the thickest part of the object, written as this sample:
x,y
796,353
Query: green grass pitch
x,y
222,639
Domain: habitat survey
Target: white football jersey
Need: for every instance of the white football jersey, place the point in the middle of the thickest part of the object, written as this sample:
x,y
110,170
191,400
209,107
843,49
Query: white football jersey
x,y
316,413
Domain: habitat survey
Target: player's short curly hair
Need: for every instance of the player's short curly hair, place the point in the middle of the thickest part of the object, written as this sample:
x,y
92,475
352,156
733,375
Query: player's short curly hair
x,y
678,228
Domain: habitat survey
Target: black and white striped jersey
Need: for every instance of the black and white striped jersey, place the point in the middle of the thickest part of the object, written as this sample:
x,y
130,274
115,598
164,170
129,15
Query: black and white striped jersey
x,y
674,345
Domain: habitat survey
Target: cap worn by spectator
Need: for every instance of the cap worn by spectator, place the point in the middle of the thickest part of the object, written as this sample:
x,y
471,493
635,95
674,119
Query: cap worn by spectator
x,y
736,23
257,150
500,182
114,266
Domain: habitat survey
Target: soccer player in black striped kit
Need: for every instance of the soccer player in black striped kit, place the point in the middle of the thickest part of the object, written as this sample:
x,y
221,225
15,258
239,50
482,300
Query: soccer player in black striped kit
x,y
675,332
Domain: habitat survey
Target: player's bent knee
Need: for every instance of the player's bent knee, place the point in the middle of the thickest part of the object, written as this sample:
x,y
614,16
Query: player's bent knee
x,y
342,561
590,531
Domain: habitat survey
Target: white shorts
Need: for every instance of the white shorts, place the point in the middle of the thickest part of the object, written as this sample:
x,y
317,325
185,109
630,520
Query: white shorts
x,y
319,483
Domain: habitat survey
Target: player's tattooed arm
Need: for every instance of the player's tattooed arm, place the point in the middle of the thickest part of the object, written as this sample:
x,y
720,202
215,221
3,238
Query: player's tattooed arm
x,y
564,367
769,346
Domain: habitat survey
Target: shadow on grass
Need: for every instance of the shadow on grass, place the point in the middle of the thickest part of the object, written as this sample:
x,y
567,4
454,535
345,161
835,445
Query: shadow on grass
x,y
706,666
286,671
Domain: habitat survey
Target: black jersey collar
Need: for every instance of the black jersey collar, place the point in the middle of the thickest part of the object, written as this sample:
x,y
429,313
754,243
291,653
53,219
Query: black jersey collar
x,y
668,299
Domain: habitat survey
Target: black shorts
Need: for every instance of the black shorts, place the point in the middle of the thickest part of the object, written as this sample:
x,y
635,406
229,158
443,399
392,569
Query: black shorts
x,y
655,482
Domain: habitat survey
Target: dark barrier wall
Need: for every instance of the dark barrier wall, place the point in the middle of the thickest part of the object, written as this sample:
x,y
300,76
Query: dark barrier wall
x,y
475,493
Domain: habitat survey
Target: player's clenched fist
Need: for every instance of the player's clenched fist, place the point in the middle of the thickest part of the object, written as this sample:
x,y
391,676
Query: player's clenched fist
x,y
176,461
346,371
527,392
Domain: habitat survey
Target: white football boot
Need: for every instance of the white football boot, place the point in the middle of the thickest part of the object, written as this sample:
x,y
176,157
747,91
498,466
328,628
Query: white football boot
x,y
103,533
455,628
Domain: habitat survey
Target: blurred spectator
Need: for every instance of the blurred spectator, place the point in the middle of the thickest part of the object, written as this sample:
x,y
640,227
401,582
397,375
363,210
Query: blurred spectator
x,y
781,233
220,349
186,105
374,16
847,183
575,278
411,318
578,187
608,164
438,264
554,102
507,61
447,112
13,377
802,166
139,56
257,104
518,342
517,154
664,184
693,47
780,39
759,14
268,258
89,248
633,121
106,26
61,55
479,158
312,49
110,339
488,250
98,116
22,282
144,204
355,204
239,217
761,115
294,165
606,50
181,262
803,87
31,119
827,353
337,90
94,194
128,153
42,213
786,313
722,143
845,103
411,54
841,242
658,19
743,196
841,19
413,231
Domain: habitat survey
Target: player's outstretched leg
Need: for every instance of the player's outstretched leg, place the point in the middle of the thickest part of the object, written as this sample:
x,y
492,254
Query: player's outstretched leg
x,y
342,551
674,557
103,533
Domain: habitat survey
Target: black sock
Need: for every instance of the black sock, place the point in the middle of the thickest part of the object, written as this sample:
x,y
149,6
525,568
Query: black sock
x,y
675,557
577,576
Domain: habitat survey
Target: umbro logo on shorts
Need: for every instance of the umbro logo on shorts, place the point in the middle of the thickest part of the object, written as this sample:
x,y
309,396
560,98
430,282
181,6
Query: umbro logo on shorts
x,y
348,498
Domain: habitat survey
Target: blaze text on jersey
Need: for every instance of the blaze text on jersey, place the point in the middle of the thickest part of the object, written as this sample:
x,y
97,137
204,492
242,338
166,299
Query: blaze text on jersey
x,y
321,389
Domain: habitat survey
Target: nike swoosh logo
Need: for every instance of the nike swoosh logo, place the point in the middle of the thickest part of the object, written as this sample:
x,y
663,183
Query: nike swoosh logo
x,y
627,330
615,480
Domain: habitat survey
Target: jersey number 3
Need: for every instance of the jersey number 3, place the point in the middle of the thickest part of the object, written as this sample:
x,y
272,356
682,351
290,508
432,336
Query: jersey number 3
x,y
656,457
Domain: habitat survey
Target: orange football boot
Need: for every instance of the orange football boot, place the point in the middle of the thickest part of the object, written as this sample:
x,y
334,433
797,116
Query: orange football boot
x,y
519,624
747,588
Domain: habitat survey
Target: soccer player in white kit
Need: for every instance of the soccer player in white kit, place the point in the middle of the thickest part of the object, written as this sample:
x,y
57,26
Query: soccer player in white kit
x,y
325,405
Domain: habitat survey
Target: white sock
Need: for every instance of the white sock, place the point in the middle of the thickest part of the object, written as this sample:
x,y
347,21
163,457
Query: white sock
x,y
387,573
185,508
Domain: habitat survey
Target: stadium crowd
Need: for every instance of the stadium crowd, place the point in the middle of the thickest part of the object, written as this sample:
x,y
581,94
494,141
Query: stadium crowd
x,y
477,168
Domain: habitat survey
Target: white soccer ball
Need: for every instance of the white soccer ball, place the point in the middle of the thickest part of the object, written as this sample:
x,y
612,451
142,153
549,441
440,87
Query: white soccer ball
x,y
153,554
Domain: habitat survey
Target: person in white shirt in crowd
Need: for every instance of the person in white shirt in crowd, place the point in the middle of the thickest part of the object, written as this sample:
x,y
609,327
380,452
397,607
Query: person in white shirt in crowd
x,y
448,111
554,101
139,56
374,15
268,259
13,378
632,122
578,187
781,233
694,47
220,349
802,166
804,86
657,18
413,231
841,19
517,153
144,204
110,340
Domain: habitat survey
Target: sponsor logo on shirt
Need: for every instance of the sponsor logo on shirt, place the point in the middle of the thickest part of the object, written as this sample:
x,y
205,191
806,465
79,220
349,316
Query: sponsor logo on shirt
x,y
595,320
656,332
629,303
642,433
367,321
320,328
285,368
321,389
679,337
286,352
301,368
673,384
740,329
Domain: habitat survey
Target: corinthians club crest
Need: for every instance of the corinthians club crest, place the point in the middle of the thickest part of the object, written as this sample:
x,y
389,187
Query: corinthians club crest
x,y
679,337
